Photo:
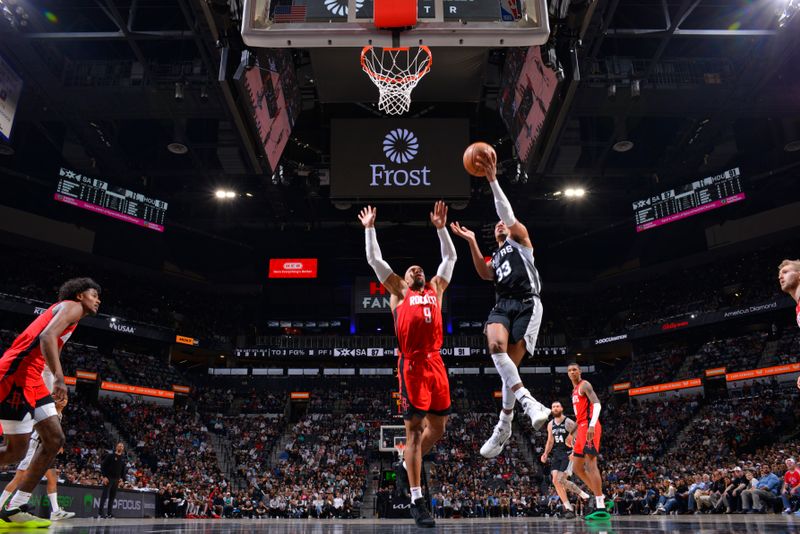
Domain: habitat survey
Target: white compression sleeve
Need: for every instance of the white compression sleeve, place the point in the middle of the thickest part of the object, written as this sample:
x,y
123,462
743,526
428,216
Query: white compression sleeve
x,y
449,257
502,205
374,257
595,413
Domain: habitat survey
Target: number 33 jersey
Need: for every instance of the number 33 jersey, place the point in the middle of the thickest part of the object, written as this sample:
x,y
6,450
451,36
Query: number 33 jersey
x,y
515,274
418,323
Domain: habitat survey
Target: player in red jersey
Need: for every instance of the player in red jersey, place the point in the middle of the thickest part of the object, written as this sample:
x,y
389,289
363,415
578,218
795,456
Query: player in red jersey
x,y
789,279
26,403
587,439
424,386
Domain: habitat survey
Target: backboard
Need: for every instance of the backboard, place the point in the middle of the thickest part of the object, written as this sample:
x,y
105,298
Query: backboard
x,y
391,436
348,23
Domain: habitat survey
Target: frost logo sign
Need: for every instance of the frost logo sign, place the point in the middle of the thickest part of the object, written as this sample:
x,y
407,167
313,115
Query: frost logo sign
x,y
400,146
387,159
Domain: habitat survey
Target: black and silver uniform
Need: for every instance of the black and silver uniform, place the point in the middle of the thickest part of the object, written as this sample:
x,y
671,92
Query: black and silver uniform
x,y
515,274
560,433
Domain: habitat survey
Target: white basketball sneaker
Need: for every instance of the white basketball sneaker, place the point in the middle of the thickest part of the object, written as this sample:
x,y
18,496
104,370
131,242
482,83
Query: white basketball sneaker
x,y
61,514
494,445
537,411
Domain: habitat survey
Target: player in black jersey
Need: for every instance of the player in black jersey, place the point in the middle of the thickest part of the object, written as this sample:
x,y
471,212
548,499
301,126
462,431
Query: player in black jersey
x,y
513,324
560,434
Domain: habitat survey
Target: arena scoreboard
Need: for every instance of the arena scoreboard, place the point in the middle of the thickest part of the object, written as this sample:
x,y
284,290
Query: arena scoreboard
x,y
100,197
691,199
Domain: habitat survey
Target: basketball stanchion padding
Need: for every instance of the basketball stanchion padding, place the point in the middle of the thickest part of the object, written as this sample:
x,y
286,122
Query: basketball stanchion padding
x,y
395,13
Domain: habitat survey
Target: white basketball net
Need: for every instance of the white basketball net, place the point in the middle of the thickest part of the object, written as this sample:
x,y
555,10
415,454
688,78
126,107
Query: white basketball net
x,y
396,72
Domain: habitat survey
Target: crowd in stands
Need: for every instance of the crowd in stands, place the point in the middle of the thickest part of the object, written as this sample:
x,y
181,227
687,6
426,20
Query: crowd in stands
x,y
735,354
325,459
148,297
675,455
466,484
172,442
724,283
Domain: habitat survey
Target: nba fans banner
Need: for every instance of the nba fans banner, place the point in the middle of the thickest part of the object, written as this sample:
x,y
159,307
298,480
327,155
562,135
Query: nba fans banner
x,y
85,501
399,159
369,296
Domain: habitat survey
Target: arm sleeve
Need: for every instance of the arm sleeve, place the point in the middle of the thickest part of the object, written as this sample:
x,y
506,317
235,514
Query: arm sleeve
x,y
374,257
502,204
595,413
449,256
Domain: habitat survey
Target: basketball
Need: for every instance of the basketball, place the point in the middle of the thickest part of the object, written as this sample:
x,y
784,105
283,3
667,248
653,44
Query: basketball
x,y
469,157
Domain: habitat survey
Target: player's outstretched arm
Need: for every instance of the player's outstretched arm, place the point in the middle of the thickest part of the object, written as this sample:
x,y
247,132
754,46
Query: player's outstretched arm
x,y
445,271
387,277
488,162
482,268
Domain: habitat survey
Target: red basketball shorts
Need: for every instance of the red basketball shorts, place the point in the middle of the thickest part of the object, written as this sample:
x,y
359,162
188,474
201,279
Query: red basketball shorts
x,y
581,446
424,386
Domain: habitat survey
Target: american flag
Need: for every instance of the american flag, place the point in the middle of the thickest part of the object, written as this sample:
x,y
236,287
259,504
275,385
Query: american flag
x,y
291,13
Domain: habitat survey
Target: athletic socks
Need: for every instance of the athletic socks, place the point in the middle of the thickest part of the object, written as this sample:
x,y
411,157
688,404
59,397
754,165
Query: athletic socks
x,y
416,493
568,506
509,400
506,418
585,496
19,498
4,498
510,375
600,501
507,370
53,502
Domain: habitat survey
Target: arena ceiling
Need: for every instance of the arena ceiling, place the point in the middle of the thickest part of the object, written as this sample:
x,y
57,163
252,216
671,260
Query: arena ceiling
x,y
717,86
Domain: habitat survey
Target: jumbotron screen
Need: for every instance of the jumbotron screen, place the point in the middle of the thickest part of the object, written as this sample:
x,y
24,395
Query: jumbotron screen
x,y
117,202
691,199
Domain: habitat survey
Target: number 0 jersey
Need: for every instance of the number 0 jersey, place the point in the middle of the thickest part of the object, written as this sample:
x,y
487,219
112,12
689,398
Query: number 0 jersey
x,y
418,323
25,357
515,274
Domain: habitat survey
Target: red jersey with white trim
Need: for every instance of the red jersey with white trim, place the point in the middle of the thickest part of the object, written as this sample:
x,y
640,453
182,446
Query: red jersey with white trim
x,y
25,355
418,323
580,403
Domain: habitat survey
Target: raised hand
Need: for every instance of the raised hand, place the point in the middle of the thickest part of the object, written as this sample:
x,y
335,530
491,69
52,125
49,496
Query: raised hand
x,y
462,231
367,216
488,162
439,214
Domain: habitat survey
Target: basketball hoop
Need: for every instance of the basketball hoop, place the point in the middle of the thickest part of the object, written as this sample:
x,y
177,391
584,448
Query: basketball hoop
x,y
400,448
396,72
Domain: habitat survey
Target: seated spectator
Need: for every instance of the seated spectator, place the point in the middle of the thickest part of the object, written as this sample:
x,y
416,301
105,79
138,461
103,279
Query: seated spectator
x,y
764,494
791,484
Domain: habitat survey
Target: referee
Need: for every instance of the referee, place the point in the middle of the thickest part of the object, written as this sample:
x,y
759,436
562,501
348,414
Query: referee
x,y
112,468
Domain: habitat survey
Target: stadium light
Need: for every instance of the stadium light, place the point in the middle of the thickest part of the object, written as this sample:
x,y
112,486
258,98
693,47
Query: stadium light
x,y
574,192
224,194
